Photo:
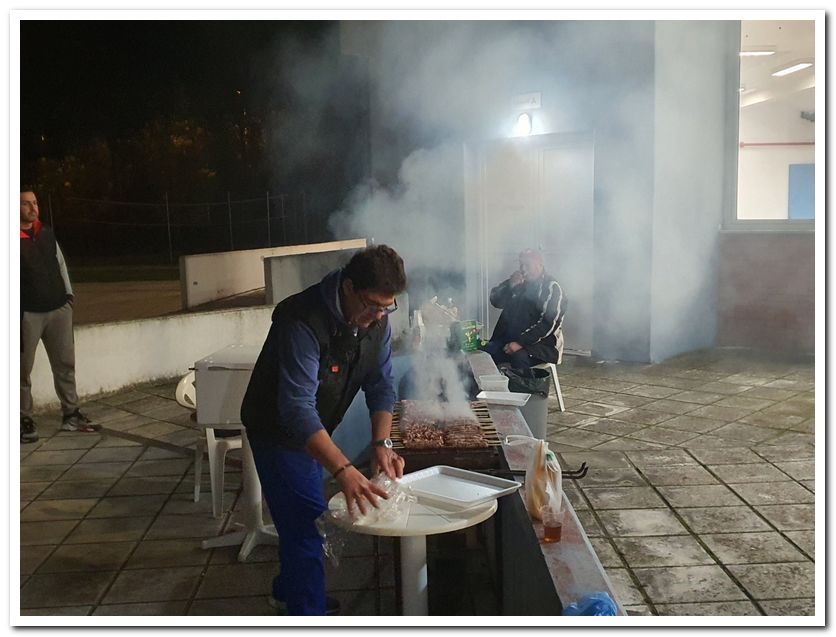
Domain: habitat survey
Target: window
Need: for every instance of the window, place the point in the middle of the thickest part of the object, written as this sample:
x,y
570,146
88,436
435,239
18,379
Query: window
x,y
776,143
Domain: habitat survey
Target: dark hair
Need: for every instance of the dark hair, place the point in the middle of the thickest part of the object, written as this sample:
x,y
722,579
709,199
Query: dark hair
x,y
378,268
27,188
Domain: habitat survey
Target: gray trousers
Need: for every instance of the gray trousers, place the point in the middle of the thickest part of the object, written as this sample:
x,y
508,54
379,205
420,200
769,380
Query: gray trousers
x,y
55,329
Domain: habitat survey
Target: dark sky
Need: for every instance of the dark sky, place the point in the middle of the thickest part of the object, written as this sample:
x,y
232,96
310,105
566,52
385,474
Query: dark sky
x,y
83,78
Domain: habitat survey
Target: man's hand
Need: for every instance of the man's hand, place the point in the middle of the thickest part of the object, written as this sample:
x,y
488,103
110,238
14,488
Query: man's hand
x,y
512,348
516,278
388,462
358,490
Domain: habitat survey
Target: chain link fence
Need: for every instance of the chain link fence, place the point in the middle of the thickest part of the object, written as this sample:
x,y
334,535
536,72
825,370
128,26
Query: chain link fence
x,y
99,231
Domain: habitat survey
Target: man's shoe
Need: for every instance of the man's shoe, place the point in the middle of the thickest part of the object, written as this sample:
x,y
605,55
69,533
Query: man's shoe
x,y
332,605
28,433
77,421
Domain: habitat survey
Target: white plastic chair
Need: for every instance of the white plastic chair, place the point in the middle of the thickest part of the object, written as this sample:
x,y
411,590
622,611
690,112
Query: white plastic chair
x,y
552,367
216,448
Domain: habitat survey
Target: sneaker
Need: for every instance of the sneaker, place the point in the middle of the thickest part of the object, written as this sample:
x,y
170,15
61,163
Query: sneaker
x,y
332,605
28,433
77,421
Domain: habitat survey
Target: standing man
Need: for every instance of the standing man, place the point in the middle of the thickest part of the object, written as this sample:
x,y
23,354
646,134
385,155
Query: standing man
x,y
46,307
532,303
325,344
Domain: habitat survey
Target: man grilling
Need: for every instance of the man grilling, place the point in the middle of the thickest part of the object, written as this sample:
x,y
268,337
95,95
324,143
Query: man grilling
x,y
325,344
532,303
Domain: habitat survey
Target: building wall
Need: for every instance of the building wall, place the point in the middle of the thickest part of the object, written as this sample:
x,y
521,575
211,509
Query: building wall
x,y
766,291
688,195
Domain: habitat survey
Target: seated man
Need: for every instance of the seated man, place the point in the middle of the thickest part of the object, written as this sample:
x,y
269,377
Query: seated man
x,y
532,303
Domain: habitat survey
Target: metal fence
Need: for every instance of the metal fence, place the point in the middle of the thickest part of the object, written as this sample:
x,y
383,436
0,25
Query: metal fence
x,y
100,230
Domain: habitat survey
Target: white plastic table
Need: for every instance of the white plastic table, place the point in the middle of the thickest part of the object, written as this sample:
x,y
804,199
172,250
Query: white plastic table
x,y
425,518
255,532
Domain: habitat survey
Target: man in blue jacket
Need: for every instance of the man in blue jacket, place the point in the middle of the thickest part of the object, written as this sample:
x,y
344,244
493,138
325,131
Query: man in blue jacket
x,y
528,331
325,344
46,314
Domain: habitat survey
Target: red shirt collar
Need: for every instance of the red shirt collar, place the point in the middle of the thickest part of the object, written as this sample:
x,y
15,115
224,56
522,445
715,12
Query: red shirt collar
x,y
36,226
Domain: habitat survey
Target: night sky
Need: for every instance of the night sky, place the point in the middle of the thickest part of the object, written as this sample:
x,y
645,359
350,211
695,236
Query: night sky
x,y
86,78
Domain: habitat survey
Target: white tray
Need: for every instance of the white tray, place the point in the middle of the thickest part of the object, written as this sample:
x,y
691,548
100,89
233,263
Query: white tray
x,y
458,487
517,399
493,382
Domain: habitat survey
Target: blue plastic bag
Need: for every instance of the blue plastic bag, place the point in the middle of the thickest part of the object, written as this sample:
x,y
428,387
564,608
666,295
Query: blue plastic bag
x,y
593,604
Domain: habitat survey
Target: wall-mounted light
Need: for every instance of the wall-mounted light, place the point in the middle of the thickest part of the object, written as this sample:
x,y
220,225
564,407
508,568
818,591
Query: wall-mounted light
x,y
522,127
757,51
792,67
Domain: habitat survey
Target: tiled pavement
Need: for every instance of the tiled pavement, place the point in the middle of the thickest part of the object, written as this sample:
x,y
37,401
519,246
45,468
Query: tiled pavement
x,y
698,501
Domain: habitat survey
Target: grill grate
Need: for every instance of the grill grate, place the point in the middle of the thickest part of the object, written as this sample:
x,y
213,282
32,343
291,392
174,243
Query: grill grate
x,y
480,410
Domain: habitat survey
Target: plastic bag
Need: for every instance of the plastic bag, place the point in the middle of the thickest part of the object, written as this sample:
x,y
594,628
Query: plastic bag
x,y
390,511
594,604
543,486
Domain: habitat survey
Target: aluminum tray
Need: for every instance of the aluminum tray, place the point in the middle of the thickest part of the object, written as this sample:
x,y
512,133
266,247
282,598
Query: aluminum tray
x,y
458,487
516,399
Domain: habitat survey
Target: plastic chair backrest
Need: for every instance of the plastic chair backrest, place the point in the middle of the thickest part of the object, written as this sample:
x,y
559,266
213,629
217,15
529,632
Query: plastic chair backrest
x,y
185,392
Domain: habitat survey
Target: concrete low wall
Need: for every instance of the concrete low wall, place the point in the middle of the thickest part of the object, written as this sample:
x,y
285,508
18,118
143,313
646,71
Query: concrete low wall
x,y
209,277
110,356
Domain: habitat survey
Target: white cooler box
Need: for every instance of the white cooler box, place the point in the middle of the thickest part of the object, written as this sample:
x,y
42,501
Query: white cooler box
x,y
221,380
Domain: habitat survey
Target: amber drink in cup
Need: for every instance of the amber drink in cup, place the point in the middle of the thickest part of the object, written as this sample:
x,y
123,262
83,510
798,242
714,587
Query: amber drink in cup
x,y
552,525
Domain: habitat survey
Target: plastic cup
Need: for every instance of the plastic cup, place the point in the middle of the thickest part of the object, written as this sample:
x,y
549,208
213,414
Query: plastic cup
x,y
552,525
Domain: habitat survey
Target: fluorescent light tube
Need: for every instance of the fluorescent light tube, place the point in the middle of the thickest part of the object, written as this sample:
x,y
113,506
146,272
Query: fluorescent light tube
x,y
792,69
755,53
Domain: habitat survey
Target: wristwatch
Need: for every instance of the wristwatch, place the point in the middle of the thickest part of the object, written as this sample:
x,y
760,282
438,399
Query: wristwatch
x,y
384,442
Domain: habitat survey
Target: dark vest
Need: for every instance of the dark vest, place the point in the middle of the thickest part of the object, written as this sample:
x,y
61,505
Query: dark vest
x,y
41,286
344,362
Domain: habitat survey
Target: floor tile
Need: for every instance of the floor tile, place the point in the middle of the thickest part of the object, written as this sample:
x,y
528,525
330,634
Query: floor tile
x,y
569,419
700,495
167,527
154,585
128,506
693,423
806,541
237,606
82,558
786,453
117,441
652,391
683,584
786,607
662,435
776,581
127,423
773,421
721,387
616,477
597,409
63,457
96,470
64,589
759,493
670,550
629,444
697,397
581,438
146,609
78,488
678,475
610,426
59,443
31,557
709,609
600,459
163,553
59,610
112,454
31,490
51,532
760,472
746,433
790,517
793,438
167,467
625,589
751,548
722,519
229,554
769,393
145,485
154,429
42,473
574,495
589,523
109,530
718,412
158,453
792,407
69,509
665,458
752,404
623,497
642,416
238,580
671,406
732,455
636,522
607,555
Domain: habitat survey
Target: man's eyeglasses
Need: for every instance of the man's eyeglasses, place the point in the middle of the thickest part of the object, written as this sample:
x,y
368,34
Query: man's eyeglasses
x,y
373,308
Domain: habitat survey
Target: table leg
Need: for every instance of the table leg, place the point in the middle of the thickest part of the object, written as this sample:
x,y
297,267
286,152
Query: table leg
x,y
255,532
414,574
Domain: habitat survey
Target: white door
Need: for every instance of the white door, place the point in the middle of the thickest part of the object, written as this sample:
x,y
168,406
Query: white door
x,y
534,192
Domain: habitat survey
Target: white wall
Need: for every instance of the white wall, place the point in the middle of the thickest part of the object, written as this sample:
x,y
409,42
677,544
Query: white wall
x,y
208,277
110,356
690,144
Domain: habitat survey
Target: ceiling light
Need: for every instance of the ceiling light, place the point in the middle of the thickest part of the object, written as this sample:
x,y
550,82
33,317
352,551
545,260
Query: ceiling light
x,y
522,128
757,52
791,68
